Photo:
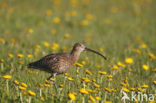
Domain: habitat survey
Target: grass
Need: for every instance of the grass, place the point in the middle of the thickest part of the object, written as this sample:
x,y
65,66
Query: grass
x,y
116,28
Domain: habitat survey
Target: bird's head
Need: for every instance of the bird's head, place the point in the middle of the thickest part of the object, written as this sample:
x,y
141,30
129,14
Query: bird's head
x,y
79,47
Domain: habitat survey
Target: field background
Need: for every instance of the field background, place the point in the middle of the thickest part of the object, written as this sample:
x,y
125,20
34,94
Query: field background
x,y
119,29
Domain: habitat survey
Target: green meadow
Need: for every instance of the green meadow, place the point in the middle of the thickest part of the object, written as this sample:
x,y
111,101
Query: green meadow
x,y
122,30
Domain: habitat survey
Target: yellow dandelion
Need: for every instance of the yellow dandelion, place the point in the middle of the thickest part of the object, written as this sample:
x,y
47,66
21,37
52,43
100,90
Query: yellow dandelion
x,y
107,102
29,56
67,35
46,85
102,72
129,60
16,82
108,90
132,89
1,40
145,86
20,62
78,64
88,72
98,98
83,62
31,93
96,85
143,45
48,12
85,22
30,31
73,13
46,44
125,90
10,55
1,60
55,46
145,67
66,74
71,96
56,20
20,55
98,66
92,98
7,76
154,82
42,99
61,85
151,55
101,50
83,91
25,93
70,79
140,90
120,64
21,88
52,79
23,85
47,82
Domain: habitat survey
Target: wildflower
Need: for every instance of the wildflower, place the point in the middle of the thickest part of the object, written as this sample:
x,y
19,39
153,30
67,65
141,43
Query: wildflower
x,y
132,89
101,50
98,98
90,90
48,12
98,66
66,74
7,76
102,72
29,71
71,96
56,20
83,91
20,55
84,22
129,60
67,35
21,88
52,79
108,90
70,79
41,85
109,76
47,82
96,85
25,93
73,13
91,98
1,40
144,86
140,90
46,85
55,46
42,99
46,44
154,82
145,67
136,51
1,60
16,82
151,55
88,72
143,45
61,85
20,62
115,67
107,102
31,93
10,55
23,85
30,31
29,55
36,72
78,64
83,62
125,90
121,64
123,84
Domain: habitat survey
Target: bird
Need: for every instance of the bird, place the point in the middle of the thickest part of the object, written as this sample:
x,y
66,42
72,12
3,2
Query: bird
x,y
60,63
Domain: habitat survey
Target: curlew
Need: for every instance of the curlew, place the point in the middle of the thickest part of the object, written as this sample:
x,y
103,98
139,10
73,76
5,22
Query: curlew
x,y
60,62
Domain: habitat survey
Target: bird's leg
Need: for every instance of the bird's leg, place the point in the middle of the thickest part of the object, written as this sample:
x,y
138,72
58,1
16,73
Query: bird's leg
x,y
54,81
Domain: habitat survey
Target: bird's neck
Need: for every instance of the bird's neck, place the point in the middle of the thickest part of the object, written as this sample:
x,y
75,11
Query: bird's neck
x,y
75,55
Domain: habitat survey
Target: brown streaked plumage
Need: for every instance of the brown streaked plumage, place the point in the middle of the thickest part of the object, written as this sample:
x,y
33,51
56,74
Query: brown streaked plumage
x,y
59,63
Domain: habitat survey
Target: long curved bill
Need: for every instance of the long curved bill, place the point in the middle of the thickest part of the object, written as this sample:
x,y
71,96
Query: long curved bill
x,y
95,52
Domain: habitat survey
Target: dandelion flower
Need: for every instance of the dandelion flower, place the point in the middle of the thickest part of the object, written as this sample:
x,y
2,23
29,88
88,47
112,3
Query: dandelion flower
x,y
83,91
96,85
145,67
42,99
56,20
23,85
132,89
143,45
151,55
10,55
129,60
7,76
67,35
55,46
21,88
16,82
145,86
20,55
70,79
88,72
154,82
46,44
52,79
29,55
98,98
61,85
85,22
71,96
31,93
78,64
30,31
92,99
125,90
